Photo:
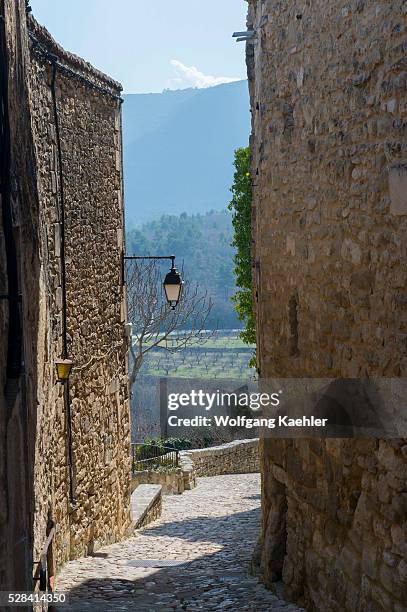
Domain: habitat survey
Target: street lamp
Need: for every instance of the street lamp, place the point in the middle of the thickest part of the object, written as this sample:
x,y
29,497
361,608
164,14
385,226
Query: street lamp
x,y
173,282
64,367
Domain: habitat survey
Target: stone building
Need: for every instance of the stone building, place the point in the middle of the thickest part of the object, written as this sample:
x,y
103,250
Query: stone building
x,y
65,450
328,85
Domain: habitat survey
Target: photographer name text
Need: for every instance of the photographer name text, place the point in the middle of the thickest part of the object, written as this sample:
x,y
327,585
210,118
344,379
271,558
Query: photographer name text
x,y
248,423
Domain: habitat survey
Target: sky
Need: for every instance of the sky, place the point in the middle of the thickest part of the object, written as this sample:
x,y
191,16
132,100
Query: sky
x,y
152,45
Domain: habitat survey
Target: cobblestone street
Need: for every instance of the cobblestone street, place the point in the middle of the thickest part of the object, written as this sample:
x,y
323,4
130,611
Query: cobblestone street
x,y
210,530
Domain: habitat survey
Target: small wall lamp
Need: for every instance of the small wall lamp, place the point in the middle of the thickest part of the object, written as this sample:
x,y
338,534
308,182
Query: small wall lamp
x,y
63,367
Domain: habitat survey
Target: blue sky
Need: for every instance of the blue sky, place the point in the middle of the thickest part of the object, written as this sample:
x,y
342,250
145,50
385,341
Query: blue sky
x,y
154,44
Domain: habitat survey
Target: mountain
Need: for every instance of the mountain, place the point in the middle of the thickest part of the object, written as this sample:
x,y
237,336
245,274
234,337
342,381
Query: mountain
x,y
178,149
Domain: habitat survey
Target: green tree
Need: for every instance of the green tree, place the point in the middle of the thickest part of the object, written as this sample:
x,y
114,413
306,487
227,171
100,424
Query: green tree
x,y
137,243
201,244
241,207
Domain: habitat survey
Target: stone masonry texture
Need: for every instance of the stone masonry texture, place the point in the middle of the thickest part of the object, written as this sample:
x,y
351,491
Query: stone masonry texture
x,y
90,134
86,123
328,86
237,457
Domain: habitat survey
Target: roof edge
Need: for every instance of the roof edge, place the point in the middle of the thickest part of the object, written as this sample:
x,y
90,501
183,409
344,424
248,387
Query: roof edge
x,y
72,60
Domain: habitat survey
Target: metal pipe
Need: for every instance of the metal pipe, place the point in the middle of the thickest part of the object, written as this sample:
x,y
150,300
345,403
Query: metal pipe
x,y
61,213
141,257
65,355
246,34
172,257
72,483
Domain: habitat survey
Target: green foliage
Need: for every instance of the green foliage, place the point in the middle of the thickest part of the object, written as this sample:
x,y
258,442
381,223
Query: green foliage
x,y
178,443
164,443
201,437
148,443
152,454
241,207
201,244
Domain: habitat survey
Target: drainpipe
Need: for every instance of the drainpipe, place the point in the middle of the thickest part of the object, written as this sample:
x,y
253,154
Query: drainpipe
x,y
67,401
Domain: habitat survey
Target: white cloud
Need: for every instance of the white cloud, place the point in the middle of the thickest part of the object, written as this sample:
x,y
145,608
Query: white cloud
x,y
190,76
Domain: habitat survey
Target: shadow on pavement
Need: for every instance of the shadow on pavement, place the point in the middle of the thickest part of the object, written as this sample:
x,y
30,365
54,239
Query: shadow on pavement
x,y
216,581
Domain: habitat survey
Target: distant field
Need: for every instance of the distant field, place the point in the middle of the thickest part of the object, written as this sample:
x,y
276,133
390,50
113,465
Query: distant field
x,y
223,356
224,342
227,342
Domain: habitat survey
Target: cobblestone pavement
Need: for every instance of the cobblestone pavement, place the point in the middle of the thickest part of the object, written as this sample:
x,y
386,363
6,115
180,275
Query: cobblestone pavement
x,y
212,529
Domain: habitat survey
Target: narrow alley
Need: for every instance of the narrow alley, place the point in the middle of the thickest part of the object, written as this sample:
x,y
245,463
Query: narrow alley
x,y
203,541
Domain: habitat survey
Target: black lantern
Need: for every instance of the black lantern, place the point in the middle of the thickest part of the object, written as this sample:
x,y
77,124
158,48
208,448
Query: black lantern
x,y
173,282
173,286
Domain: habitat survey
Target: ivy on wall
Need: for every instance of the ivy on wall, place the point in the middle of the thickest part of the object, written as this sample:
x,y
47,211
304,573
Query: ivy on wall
x,y
241,207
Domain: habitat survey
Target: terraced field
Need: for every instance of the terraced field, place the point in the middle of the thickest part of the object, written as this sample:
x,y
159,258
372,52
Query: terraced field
x,y
223,356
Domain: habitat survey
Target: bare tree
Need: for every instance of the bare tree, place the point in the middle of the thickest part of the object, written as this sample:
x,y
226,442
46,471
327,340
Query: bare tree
x,y
154,322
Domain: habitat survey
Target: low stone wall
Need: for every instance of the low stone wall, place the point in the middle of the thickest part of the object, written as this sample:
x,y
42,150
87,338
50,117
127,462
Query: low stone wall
x,y
188,471
172,484
146,505
175,483
238,457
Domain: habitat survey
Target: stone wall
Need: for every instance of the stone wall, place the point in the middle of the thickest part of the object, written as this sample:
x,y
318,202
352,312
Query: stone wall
x,y
172,483
238,457
330,174
65,452
87,119
329,169
176,482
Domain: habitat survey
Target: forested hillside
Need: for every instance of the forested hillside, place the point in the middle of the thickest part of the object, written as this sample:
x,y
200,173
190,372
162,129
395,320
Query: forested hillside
x,y
201,244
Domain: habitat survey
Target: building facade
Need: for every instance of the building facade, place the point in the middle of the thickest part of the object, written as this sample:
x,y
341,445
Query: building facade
x,y
328,86
63,241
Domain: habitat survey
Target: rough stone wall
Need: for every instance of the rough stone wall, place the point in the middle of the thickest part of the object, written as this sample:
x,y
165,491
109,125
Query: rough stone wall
x,y
174,483
35,476
152,514
89,122
330,175
329,167
238,457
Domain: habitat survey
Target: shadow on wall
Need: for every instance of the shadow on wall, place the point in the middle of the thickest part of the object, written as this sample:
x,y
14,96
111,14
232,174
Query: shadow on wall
x,y
19,320
352,407
335,509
